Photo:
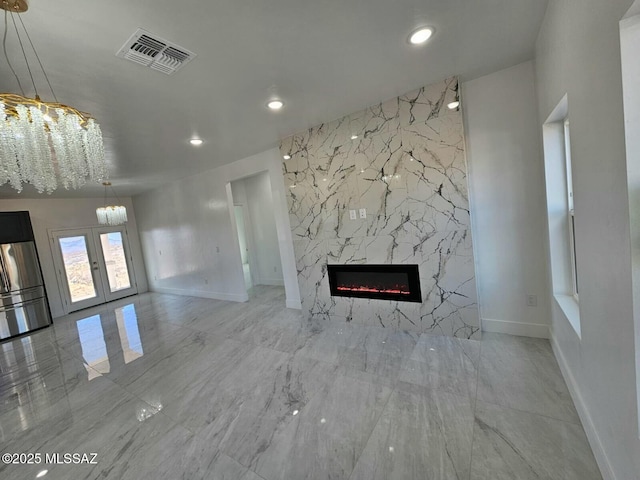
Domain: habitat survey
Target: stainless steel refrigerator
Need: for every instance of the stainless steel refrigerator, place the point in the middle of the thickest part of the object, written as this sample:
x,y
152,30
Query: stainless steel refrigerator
x,y
23,301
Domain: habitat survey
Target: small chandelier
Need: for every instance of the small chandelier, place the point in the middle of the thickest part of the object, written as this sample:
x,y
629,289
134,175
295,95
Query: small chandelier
x,y
44,143
111,214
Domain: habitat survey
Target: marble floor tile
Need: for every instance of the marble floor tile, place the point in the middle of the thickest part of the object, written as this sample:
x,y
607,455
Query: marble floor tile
x,y
164,363
62,393
444,363
177,454
119,341
103,419
512,444
522,373
249,428
247,379
373,350
28,353
422,433
177,385
285,331
197,462
326,439
170,387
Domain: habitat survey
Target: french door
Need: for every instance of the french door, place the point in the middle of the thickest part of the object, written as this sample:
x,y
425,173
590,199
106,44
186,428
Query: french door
x,y
93,266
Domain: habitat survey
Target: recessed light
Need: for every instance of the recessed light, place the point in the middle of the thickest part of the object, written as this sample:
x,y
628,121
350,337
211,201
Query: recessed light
x,y
42,473
453,105
196,142
286,157
275,104
353,137
421,35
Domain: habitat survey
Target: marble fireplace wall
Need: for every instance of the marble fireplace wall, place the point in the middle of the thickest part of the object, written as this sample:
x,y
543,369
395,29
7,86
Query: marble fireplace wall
x,y
407,168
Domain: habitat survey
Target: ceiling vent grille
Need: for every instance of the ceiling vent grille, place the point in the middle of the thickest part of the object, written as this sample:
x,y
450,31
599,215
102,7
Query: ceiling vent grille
x,y
149,50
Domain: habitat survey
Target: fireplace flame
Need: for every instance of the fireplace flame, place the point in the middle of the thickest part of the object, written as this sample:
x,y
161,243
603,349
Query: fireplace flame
x,y
373,290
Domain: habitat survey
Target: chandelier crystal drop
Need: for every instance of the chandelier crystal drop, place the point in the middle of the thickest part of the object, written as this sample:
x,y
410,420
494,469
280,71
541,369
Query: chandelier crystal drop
x,y
45,144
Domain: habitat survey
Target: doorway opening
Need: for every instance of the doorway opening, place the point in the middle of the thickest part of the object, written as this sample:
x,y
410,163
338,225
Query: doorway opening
x,y
257,236
241,226
93,266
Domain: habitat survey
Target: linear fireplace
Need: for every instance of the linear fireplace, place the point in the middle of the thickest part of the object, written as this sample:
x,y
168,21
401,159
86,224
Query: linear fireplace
x,y
383,282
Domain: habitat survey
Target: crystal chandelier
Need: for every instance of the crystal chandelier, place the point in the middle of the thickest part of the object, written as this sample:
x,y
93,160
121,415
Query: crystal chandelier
x,y
111,214
44,143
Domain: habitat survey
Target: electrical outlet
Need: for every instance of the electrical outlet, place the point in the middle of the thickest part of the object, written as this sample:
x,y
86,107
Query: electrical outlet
x,y
352,214
206,281
532,300
275,269
363,213
217,249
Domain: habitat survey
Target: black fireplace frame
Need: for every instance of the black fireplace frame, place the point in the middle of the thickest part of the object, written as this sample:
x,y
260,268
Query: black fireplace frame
x,y
413,275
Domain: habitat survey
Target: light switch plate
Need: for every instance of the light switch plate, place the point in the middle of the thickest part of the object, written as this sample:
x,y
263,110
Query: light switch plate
x,y
363,213
352,214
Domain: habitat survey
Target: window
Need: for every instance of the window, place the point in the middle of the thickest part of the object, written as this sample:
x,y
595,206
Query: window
x,y
571,221
558,165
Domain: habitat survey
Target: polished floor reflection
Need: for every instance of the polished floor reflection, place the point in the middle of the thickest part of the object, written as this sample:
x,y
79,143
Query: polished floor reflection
x,y
169,387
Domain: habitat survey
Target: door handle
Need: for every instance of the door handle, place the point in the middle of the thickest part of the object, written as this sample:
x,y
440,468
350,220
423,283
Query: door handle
x,y
3,274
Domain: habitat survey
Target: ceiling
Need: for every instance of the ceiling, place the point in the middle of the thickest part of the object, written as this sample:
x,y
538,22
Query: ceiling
x,y
324,58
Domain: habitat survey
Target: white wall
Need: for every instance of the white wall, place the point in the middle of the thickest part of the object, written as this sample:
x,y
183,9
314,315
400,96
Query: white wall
x,y
264,251
578,54
188,234
630,43
53,213
506,178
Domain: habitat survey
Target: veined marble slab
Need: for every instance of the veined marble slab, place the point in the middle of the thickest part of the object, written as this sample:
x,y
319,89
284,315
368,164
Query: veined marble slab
x,y
512,444
407,168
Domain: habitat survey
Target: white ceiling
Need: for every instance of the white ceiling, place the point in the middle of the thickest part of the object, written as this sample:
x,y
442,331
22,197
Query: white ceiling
x,y
325,58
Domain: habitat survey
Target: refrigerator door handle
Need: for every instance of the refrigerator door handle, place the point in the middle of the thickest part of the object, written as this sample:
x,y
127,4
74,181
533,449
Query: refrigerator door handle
x,y
3,273
11,308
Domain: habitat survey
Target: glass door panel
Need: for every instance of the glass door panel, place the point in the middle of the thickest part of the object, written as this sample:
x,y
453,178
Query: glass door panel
x,y
77,267
115,261
116,269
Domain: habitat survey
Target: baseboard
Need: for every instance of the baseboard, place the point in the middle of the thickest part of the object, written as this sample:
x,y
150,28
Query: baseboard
x,y
297,304
535,330
592,435
232,297
277,282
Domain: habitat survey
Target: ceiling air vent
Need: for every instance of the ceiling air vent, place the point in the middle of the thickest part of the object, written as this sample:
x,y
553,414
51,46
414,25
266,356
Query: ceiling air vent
x,y
149,50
